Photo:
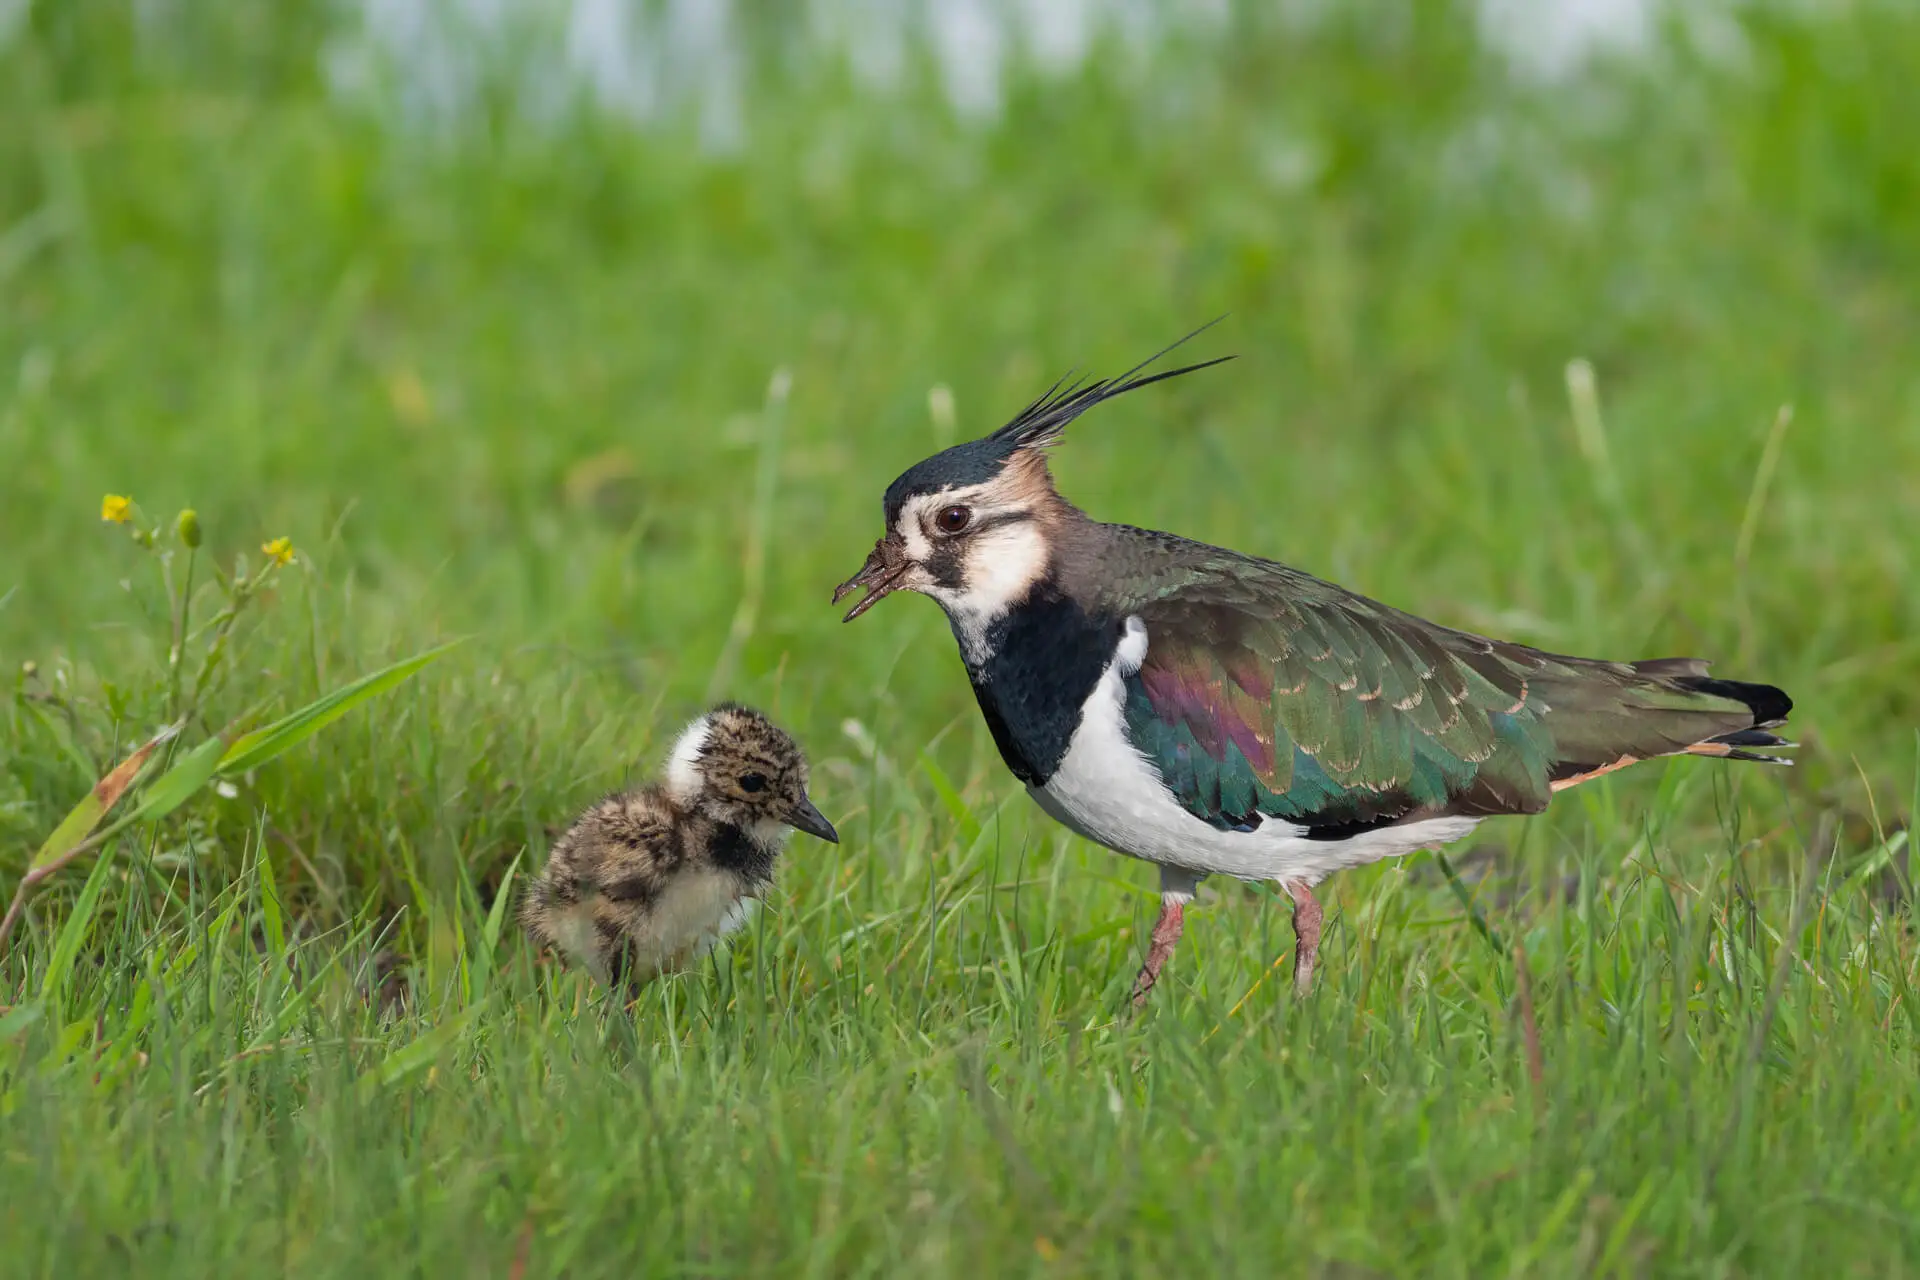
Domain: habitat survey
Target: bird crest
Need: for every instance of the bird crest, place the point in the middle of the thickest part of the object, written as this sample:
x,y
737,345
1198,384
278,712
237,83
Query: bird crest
x,y
1032,430
1042,423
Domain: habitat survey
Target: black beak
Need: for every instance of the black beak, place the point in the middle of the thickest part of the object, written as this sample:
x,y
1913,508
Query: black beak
x,y
810,820
881,573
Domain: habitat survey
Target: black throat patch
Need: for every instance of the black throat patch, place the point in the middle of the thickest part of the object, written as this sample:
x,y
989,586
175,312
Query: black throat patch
x,y
1044,659
736,851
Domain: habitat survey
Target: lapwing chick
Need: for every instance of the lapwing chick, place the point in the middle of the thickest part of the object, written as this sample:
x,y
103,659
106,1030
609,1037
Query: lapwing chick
x,y
1216,713
646,881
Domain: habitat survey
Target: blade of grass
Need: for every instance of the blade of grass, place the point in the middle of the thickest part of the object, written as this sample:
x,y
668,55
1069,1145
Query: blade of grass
x,y
412,1058
69,839
67,946
1467,904
106,793
18,1019
173,789
254,749
270,916
497,914
218,755
950,797
310,988
176,786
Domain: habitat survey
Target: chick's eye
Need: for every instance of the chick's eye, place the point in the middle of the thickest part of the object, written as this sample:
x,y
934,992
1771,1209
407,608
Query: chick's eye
x,y
954,519
751,782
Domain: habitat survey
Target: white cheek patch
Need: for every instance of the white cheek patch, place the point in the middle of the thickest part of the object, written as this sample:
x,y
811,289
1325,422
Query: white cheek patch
x,y
683,763
1001,567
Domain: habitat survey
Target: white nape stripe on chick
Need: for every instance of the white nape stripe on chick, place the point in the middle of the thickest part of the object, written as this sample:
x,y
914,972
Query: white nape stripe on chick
x,y
683,762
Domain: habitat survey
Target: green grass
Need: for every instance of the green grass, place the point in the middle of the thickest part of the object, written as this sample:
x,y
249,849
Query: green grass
x,y
512,383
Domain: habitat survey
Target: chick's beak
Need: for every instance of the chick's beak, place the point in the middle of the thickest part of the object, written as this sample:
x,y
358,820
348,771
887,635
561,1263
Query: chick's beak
x,y
886,565
810,820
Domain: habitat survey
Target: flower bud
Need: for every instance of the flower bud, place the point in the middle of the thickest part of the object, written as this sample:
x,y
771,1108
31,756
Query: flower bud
x,y
188,526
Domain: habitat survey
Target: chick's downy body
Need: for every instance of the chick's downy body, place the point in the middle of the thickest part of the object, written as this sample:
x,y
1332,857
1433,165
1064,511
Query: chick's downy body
x,y
649,880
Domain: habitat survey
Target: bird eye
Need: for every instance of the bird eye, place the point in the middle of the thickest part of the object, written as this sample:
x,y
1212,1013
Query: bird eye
x,y
954,519
751,782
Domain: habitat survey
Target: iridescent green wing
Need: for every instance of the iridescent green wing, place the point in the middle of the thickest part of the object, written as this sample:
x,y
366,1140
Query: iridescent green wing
x,y
1267,692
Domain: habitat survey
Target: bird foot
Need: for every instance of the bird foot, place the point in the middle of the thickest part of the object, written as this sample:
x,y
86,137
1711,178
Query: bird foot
x,y
1166,935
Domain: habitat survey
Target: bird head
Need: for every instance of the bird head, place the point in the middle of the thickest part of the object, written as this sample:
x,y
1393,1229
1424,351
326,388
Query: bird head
x,y
970,525
736,766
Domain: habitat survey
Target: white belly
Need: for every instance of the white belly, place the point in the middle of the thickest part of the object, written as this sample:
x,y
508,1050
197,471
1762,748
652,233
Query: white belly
x,y
693,914
1110,793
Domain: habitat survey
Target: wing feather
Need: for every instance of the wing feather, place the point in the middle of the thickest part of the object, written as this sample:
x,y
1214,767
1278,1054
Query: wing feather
x,y
1265,691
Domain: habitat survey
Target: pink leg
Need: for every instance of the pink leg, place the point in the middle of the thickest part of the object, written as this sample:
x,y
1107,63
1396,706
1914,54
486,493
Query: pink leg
x,y
1166,934
1306,936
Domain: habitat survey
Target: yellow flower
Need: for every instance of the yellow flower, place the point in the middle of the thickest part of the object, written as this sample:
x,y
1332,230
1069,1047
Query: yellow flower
x,y
280,550
116,509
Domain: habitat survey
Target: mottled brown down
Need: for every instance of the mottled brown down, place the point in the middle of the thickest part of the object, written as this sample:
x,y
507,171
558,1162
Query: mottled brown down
x,y
646,881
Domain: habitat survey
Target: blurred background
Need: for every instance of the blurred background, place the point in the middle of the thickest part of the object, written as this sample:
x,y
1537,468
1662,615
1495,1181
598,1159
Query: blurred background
x,y
595,330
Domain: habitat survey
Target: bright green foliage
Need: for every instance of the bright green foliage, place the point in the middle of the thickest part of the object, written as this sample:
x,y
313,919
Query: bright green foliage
x,y
510,380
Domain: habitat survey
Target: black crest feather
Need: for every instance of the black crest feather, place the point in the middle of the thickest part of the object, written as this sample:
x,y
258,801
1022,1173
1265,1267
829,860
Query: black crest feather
x,y
1034,427
1041,423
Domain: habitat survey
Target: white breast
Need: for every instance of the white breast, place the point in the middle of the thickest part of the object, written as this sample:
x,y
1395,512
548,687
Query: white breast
x,y
1110,793
695,910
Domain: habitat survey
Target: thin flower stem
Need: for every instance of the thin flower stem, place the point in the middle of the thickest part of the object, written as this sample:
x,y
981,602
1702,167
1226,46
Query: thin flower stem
x,y
182,606
13,913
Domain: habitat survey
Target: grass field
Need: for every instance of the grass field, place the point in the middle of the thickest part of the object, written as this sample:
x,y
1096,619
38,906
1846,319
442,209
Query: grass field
x,y
617,407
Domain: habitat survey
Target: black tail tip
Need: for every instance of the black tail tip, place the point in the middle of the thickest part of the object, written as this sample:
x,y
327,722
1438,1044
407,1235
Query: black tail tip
x,y
1770,705
1759,756
1751,738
